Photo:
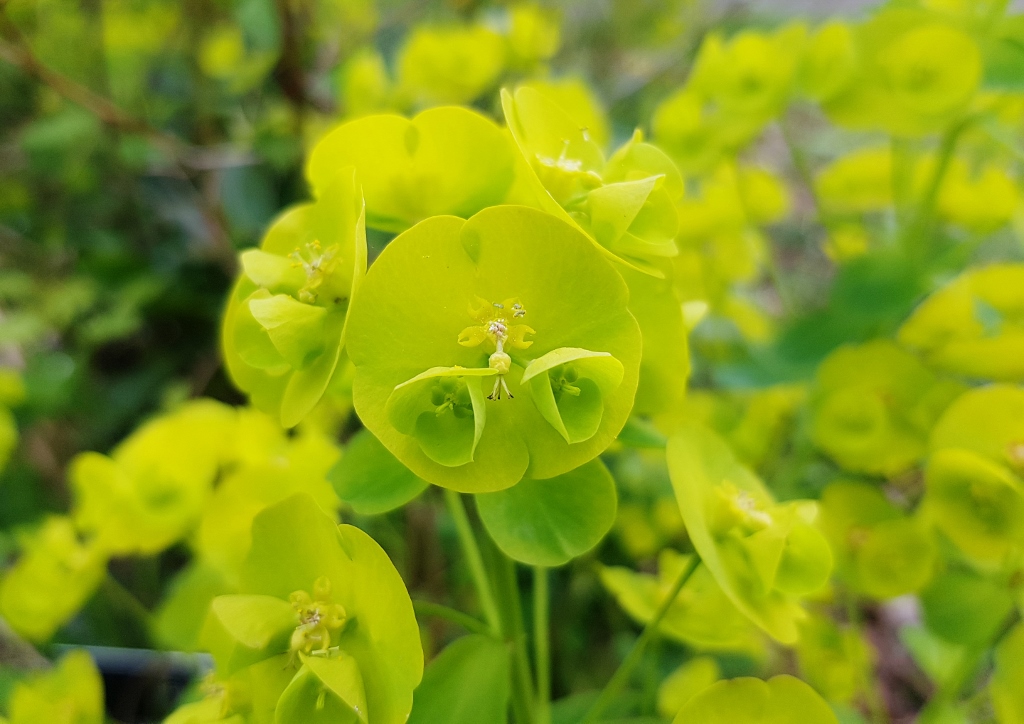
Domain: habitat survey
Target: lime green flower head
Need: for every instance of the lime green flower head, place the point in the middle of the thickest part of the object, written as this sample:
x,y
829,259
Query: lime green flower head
x,y
494,348
70,693
765,555
323,627
625,204
753,701
878,550
833,659
829,61
873,405
445,160
534,34
975,472
441,65
916,74
980,201
751,75
363,84
974,326
284,326
151,490
55,575
702,615
858,182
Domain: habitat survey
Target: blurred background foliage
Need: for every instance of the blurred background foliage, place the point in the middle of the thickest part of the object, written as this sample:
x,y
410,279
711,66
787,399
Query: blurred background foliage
x,y
143,143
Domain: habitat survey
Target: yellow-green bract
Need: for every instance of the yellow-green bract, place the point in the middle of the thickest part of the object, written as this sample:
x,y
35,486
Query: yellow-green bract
x,y
284,327
975,489
71,693
973,326
752,701
873,405
764,555
878,550
446,160
451,315
702,615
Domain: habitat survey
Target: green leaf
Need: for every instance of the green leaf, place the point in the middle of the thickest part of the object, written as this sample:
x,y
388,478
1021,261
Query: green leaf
x,y
466,684
549,522
372,480
752,701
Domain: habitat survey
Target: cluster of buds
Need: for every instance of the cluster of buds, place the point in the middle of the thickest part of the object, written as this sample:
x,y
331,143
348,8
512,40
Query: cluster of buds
x,y
319,618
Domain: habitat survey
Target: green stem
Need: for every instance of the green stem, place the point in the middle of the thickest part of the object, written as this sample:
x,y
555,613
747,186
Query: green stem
x,y
873,698
471,624
476,565
541,643
916,232
635,655
512,620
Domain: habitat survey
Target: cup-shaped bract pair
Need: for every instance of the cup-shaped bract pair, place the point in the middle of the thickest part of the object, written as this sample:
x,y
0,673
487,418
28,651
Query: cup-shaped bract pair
x,y
753,701
765,555
701,616
492,349
322,630
445,160
284,326
151,490
973,326
975,473
626,204
54,576
916,72
873,405
878,550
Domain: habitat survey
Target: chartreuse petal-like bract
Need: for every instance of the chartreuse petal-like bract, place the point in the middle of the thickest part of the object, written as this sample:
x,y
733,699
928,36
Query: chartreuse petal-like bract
x,y
878,550
873,406
975,473
284,326
446,160
701,616
973,326
626,204
753,701
54,577
765,555
452,316
70,693
323,606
